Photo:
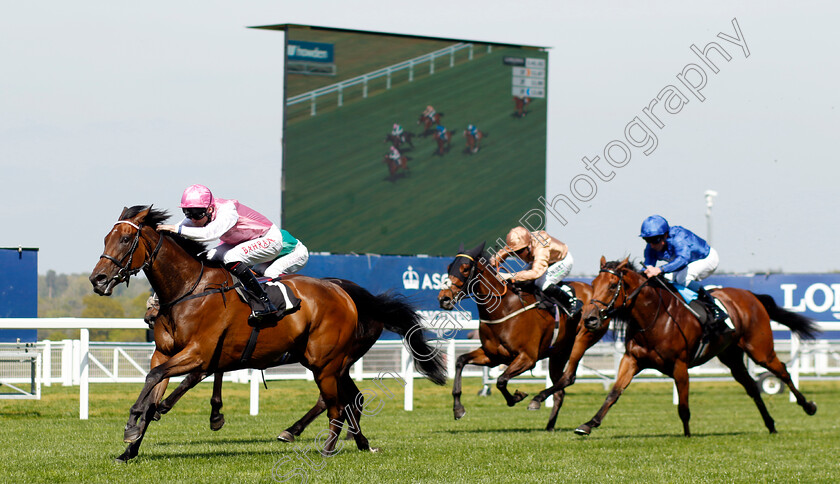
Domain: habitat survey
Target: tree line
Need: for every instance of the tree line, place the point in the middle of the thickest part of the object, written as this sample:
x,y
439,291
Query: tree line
x,y
71,295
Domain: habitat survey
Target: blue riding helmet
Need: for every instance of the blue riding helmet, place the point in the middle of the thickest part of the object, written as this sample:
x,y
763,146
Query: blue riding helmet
x,y
654,225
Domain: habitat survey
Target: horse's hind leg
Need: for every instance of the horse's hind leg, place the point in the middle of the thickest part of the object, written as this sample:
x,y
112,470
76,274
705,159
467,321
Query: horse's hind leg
x,y
475,357
733,357
298,427
627,369
353,401
555,370
769,360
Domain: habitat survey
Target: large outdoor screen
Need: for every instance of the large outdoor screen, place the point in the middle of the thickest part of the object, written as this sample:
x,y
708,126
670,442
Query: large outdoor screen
x,y
352,183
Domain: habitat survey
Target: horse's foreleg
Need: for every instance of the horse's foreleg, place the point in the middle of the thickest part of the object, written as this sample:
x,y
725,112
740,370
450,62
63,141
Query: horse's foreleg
x,y
144,408
156,394
190,381
475,357
298,427
627,369
522,363
681,381
733,357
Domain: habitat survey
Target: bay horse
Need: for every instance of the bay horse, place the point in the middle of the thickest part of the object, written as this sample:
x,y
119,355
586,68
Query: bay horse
x,y
394,166
443,142
208,329
396,141
473,141
428,122
519,105
663,334
383,311
514,331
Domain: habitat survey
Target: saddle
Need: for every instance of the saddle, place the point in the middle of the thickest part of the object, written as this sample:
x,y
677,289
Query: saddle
x,y
281,295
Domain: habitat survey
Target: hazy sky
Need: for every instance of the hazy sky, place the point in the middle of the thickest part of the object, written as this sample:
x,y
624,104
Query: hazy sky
x,y
106,104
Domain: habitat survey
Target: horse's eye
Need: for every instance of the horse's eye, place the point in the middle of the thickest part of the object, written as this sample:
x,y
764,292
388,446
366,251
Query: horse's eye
x,y
125,239
613,285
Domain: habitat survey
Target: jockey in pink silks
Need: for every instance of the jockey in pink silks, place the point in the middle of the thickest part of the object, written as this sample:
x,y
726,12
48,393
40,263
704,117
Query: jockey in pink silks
x,y
248,239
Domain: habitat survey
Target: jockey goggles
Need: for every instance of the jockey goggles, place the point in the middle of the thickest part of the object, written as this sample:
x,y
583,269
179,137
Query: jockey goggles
x,y
195,213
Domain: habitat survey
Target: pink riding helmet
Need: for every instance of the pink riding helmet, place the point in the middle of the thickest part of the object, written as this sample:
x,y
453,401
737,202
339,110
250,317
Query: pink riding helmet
x,y
196,196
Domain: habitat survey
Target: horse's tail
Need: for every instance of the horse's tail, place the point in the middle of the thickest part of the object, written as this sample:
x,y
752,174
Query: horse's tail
x,y
802,326
400,317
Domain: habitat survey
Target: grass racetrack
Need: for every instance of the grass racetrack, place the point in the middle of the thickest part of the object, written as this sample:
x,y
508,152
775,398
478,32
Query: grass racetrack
x,y
640,440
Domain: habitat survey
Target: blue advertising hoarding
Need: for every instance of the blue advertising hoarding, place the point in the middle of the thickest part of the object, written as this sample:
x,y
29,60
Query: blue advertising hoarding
x,y
18,291
816,296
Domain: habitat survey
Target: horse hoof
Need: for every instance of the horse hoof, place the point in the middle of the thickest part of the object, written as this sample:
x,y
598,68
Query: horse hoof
x,y
120,460
374,449
286,436
811,408
217,424
534,405
459,412
583,430
156,416
131,435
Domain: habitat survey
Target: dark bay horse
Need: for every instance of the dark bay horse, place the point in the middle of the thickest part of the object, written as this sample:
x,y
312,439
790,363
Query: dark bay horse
x,y
663,334
378,312
395,166
514,332
208,327
473,141
428,122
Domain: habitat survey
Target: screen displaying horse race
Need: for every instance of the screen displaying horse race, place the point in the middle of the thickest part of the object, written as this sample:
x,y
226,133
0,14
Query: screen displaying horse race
x,y
408,145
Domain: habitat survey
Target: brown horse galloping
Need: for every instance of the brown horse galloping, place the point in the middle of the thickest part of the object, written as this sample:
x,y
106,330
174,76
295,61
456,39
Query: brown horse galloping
x,y
428,123
513,331
208,327
663,334
375,312
395,166
396,140
473,141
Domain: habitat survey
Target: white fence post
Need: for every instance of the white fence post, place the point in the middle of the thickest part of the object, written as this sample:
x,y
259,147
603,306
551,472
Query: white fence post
x,y
47,363
406,362
255,392
796,356
84,371
67,363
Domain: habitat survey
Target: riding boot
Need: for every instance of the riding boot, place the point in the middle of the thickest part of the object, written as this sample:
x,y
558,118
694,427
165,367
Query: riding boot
x,y
565,298
719,318
249,280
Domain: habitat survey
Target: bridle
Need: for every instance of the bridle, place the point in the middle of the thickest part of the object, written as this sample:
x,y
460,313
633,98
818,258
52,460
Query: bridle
x,y
609,308
125,270
464,287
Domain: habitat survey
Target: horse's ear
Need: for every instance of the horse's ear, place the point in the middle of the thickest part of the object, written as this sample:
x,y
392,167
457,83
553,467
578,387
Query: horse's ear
x,y
140,217
461,248
603,262
624,263
479,249
122,214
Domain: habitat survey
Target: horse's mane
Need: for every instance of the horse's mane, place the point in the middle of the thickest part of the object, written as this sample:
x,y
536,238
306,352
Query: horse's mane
x,y
155,218
613,264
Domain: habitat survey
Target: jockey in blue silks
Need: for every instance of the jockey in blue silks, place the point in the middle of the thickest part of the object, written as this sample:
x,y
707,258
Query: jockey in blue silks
x,y
473,131
442,132
689,258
